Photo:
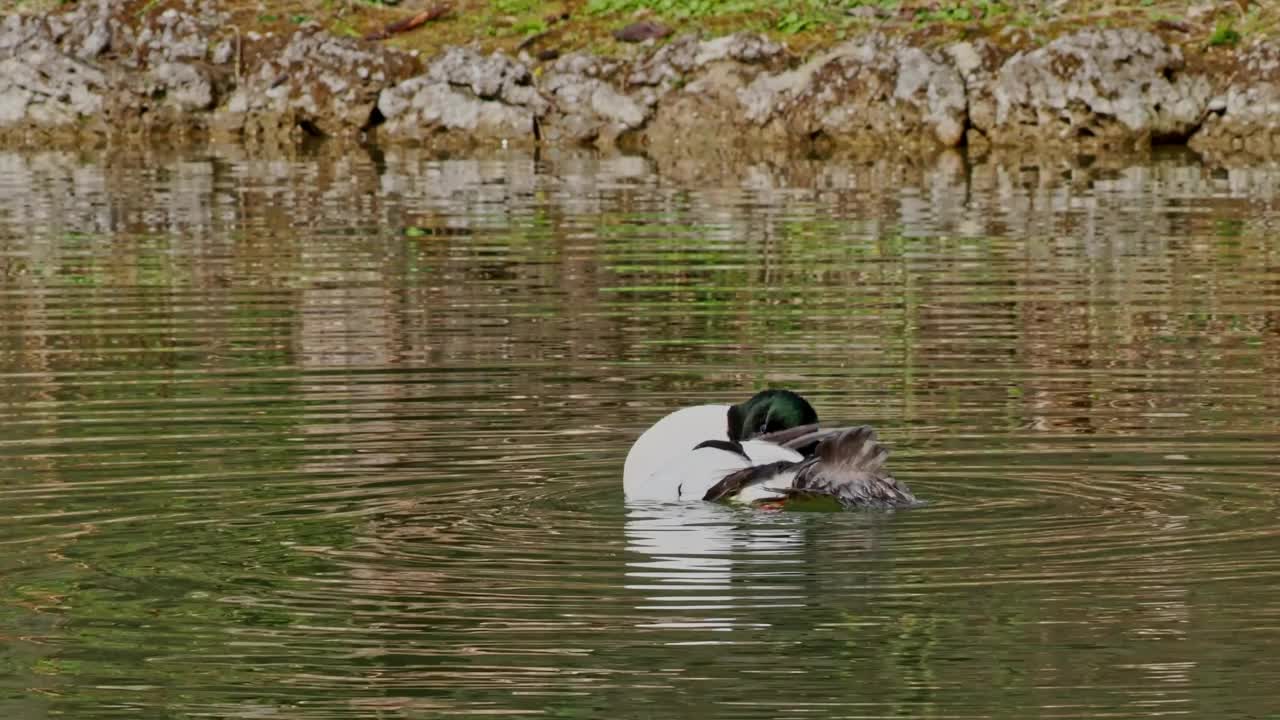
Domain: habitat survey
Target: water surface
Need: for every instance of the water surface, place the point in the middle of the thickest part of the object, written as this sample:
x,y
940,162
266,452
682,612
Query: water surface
x,y
340,435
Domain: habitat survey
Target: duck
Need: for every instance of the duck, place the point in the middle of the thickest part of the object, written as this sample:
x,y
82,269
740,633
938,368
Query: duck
x,y
768,451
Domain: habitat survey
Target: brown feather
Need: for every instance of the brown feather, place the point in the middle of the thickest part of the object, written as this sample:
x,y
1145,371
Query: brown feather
x,y
846,465
850,468
738,479
782,437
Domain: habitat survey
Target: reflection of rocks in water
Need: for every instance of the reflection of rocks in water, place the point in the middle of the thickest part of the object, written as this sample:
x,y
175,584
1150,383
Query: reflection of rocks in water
x,y
997,193
568,257
346,321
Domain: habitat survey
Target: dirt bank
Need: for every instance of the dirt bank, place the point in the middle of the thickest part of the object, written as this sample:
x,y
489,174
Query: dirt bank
x,y
112,70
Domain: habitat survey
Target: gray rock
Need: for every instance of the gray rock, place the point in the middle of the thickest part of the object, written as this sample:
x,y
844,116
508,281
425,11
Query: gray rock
x,y
223,52
868,90
178,34
1098,86
688,53
673,94
187,88
169,67
98,41
584,64
318,82
420,107
18,30
1245,117
978,62
489,77
465,92
589,106
43,88
742,47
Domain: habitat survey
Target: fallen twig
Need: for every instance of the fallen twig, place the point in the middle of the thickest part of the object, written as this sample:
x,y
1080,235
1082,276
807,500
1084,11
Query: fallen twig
x,y
411,23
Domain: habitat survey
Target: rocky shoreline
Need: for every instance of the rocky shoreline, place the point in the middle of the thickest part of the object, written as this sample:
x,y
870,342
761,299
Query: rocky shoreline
x,y
105,72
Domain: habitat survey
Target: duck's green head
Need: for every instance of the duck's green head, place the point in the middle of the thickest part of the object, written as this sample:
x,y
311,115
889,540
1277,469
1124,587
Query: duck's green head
x,y
769,411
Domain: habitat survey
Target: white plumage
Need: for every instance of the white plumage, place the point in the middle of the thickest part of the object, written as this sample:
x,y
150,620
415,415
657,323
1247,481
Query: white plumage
x,y
664,466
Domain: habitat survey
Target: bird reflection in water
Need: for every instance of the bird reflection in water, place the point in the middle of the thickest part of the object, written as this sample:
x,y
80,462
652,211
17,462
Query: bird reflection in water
x,y
705,566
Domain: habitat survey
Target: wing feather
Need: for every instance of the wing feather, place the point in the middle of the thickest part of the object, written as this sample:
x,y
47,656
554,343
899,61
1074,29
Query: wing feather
x,y
734,482
850,468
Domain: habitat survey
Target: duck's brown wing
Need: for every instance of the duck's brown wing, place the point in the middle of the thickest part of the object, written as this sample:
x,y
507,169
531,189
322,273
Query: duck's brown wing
x,y
807,444
805,438
782,437
739,479
849,467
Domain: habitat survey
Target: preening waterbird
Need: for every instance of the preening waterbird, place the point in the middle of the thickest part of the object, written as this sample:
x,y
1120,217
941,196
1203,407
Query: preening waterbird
x,y
769,450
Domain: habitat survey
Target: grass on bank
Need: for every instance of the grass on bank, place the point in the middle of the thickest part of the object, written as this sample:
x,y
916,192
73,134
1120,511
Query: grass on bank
x,y
559,26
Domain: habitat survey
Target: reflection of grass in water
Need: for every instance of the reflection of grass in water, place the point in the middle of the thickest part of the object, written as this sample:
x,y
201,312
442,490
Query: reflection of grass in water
x,y
806,288
150,579
152,596
795,289
153,581
1229,227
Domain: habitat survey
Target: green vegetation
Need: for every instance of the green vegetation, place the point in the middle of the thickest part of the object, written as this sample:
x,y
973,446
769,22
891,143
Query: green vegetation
x,y
34,6
680,8
1224,33
552,28
788,17
806,24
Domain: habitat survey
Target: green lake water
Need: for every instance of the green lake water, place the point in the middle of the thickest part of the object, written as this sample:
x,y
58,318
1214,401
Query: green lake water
x,y
265,453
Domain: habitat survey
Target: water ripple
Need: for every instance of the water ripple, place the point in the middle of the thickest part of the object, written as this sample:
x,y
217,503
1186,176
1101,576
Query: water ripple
x,y
265,453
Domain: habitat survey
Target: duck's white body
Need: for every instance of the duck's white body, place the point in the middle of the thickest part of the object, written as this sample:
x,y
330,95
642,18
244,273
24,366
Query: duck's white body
x,y
663,465
671,436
